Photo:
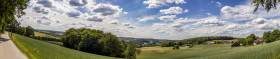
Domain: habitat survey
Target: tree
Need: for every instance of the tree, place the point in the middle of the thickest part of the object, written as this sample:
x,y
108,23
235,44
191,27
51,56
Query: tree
x,y
249,41
274,35
131,51
112,45
252,36
71,38
21,30
8,10
266,37
29,31
176,47
268,4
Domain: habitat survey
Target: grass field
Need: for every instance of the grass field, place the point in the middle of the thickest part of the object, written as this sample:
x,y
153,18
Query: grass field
x,y
36,49
216,51
43,35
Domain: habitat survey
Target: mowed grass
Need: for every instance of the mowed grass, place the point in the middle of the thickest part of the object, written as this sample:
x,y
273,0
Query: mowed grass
x,y
217,51
36,49
43,35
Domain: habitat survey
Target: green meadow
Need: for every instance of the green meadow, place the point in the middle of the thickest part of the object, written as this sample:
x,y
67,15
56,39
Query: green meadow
x,y
216,51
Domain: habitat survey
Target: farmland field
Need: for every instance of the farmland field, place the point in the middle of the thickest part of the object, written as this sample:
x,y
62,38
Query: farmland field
x,y
36,49
43,35
216,51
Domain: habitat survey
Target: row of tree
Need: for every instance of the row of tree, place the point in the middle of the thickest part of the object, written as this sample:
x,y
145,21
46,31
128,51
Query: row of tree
x,y
200,40
46,38
98,42
15,28
170,43
271,36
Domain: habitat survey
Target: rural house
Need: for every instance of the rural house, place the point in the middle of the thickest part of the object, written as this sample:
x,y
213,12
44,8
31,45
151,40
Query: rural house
x,y
258,41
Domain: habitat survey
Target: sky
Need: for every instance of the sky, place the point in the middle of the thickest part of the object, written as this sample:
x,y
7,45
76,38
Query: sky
x,y
159,19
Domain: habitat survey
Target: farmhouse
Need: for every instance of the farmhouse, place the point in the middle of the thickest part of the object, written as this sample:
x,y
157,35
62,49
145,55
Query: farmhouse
x,y
258,41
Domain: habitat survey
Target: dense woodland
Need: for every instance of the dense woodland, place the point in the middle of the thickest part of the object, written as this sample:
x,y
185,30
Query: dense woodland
x,y
98,42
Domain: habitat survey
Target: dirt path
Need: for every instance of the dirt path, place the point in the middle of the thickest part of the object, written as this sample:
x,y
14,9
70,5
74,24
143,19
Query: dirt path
x,y
8,49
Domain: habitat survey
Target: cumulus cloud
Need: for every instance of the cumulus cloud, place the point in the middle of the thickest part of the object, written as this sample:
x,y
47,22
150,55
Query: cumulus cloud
x,y
44,23
46,3
144,19
107,10
114,22
238,13
78,2
74,14
167,18
172,10
126,24
95,19
158,3
212,21
259,21
41,10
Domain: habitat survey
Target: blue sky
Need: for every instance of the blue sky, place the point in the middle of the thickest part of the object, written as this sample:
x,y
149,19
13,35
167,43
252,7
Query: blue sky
x,y
161,19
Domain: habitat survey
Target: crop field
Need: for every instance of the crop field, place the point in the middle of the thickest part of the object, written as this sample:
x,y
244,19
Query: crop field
x,y
36,49
216,51
43,35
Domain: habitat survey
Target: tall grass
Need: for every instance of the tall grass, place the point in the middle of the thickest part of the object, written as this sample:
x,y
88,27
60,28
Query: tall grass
x,y
36,49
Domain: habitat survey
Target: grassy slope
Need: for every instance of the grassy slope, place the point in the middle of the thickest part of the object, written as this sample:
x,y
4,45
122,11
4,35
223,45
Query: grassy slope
x,y
36,49
265,51
43,35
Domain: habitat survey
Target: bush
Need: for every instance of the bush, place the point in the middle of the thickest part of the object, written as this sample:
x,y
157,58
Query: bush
x,y
176,47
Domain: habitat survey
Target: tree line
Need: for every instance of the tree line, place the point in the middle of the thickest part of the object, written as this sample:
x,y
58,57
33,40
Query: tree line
x,y
98,42
200,40
271,36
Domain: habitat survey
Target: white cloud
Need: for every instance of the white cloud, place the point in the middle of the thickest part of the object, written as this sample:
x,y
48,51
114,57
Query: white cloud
x,y
212,21
114,22
125,12
144,19
107,10
219,4
167,17
172,10
238,13
159,3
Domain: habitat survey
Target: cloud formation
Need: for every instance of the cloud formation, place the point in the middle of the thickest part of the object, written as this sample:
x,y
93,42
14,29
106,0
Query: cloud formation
x,y
172,10
159,3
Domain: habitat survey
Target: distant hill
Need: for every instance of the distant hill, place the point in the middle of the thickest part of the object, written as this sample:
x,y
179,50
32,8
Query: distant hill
x,y
51,32
144,42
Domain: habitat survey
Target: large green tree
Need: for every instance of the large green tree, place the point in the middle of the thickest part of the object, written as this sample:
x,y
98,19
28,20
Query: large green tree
x,y
131,51
29,31
266,37
9,10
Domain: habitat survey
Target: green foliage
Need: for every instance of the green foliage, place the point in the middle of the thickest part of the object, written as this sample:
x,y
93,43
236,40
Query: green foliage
x,y
200,40
21,31
168,44
176,47
268,4
8,10
112,46
131,51
94,41
252,36
266,37
29,31
249,40
37,49
271,36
